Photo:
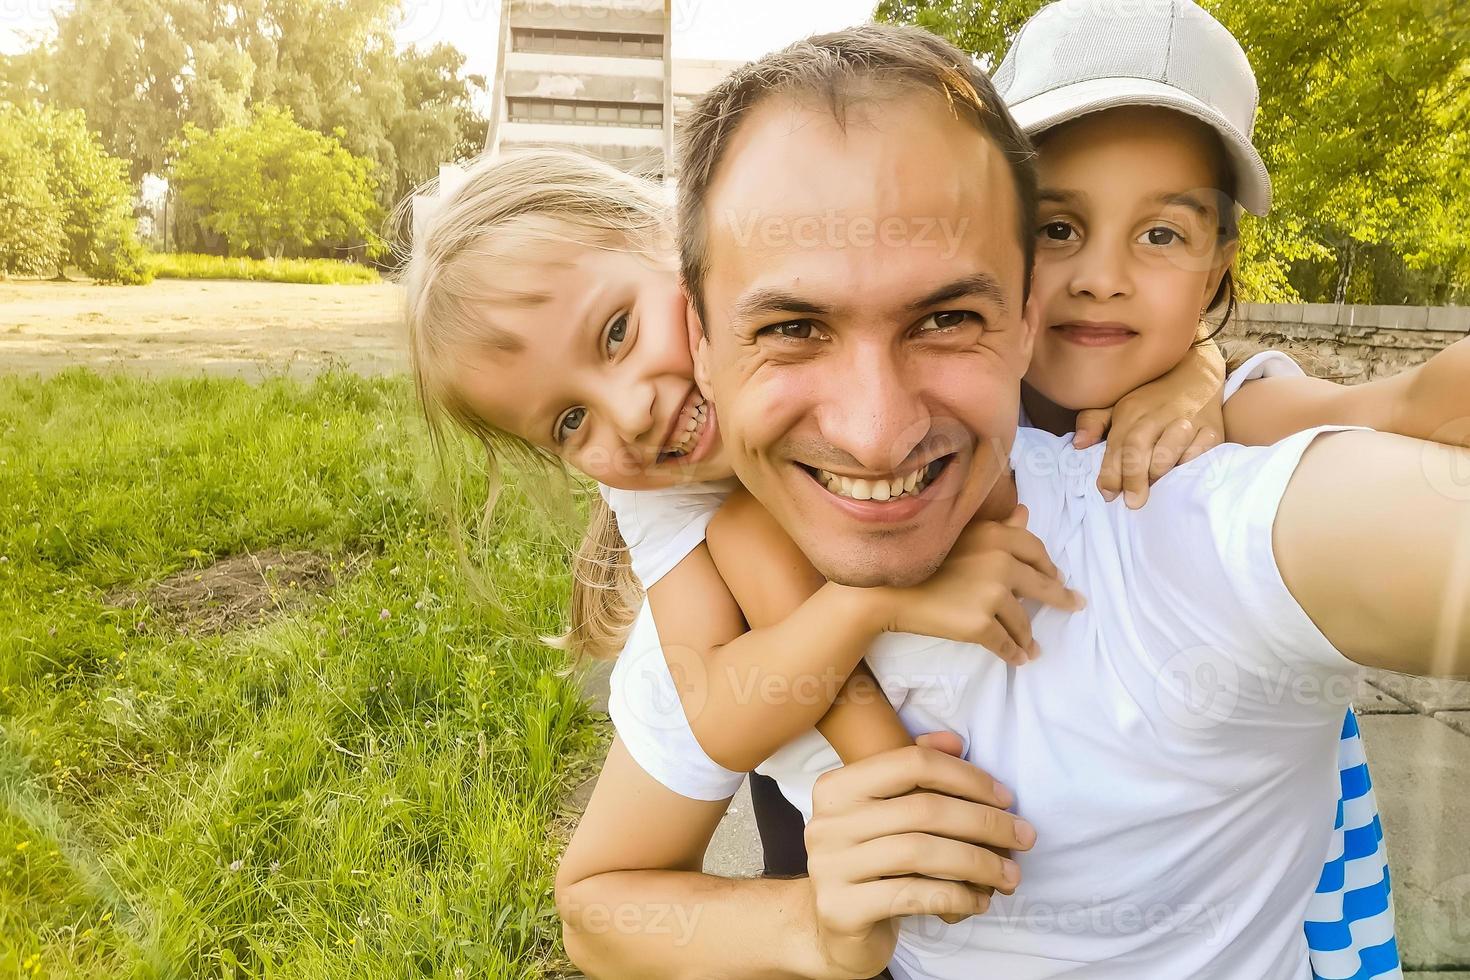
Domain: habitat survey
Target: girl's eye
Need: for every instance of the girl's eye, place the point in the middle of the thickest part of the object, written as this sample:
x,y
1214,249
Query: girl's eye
x,y
569,423
794,330
1057,231
949,319
617,333
1162,236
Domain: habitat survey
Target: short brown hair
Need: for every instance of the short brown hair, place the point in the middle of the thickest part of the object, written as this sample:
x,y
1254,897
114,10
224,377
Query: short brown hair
x,y
838,68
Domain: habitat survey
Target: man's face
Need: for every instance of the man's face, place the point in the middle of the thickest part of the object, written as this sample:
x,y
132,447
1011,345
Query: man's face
x,y
865,332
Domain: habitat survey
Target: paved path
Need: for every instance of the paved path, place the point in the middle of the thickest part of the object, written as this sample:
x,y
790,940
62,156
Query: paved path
x,y
1417,734
171,326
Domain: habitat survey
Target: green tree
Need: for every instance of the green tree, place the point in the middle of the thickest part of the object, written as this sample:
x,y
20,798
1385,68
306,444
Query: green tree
x,y
31,238
92,190
89,189
143,69
272,188
1362,122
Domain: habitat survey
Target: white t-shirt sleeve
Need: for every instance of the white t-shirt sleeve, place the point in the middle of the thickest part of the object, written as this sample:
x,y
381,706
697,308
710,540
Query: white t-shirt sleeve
x,y
661,527
1204,545
1266,364
644,704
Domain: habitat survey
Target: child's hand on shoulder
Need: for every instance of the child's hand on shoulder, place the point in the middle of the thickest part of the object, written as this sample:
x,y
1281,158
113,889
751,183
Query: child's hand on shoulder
x,y
1154,428
975,597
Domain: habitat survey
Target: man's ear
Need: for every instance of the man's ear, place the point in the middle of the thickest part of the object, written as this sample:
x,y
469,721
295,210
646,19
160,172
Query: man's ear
x,y
699,348
702,369
693,323
1030,325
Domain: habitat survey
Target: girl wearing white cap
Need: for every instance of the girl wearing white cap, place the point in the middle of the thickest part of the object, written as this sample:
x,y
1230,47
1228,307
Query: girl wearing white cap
x,y
1142,124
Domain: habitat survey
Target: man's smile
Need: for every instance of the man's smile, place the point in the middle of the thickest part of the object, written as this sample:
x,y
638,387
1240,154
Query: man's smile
x,y
882,498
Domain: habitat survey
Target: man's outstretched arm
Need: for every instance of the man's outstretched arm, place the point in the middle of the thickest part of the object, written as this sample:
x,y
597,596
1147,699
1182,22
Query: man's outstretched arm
x,y
1373,539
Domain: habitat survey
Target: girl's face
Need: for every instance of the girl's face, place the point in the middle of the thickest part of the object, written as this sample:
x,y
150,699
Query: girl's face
x,y
596,367
1128,253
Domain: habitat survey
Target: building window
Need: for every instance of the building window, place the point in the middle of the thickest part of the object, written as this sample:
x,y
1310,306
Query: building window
x,y
607,44
586,112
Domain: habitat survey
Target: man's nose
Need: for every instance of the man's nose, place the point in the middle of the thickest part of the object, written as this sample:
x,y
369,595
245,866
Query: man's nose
x,y
873,411
1102,273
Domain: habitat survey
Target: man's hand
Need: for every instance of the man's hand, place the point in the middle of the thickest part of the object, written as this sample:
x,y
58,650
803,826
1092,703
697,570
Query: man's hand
x,y
911,831
975,597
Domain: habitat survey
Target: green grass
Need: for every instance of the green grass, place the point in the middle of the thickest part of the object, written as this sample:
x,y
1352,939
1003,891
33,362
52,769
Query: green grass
x,y
361,787
322,272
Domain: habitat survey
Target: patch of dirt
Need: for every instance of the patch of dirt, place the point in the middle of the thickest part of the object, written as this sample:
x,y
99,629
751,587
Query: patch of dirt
x,y
242,590
216,327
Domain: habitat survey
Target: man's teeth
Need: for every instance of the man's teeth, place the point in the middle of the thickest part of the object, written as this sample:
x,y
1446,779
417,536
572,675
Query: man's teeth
x,y
880,489
693,423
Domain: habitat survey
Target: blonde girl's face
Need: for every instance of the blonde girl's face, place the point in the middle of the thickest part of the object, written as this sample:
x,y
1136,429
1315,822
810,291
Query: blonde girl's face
x,y
593,363
1128,255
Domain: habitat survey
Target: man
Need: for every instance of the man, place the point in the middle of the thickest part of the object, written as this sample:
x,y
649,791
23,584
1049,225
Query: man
x,y
1172,754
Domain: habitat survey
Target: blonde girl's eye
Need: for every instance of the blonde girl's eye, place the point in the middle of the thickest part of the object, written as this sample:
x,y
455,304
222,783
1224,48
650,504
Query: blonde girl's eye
x,y
569,423
1160,236
617,332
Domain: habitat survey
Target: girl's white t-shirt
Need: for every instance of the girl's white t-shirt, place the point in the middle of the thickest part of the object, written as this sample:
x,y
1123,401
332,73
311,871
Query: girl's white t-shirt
x,y
1175,745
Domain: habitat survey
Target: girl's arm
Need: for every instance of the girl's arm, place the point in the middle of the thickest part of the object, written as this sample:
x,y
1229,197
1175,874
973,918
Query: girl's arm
x,y
746,694
1158,426
1430,402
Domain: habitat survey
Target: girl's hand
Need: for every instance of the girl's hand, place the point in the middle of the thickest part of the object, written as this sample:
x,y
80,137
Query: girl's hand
x,y
1158,426
975,597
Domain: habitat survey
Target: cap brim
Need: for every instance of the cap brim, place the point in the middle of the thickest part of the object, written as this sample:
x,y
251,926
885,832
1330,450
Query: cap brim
x,y
1042,112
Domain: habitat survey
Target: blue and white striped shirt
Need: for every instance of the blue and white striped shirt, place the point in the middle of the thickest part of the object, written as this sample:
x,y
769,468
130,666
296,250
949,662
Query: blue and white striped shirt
x,y
1350,921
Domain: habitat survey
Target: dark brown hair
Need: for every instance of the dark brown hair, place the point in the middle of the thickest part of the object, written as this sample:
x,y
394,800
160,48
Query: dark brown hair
x,y
839,69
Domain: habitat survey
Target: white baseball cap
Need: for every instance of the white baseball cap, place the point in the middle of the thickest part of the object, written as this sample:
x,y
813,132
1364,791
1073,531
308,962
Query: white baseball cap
x,y
1080,56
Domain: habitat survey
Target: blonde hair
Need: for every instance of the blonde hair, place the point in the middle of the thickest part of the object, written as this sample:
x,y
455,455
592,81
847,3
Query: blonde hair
x,y
508,211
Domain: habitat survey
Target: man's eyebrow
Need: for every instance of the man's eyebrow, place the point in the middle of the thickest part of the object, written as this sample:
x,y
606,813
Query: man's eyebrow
x,y
767,300
979,284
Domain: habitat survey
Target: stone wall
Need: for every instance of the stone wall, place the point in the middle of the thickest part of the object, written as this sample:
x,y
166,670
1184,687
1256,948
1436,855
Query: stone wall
x,y
1343,342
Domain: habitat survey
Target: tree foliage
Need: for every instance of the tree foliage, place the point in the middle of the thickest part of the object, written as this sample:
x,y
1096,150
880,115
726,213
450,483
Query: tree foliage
x,y
90,192
271,187
143,69
1363,122
31,238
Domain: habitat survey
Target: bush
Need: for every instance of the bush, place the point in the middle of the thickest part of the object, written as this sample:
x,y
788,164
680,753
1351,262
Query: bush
x,y
273,188
90,188
31,238
322,272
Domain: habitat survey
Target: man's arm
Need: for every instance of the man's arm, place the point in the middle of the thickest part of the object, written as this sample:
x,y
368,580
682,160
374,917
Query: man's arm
x,y
1430,401
1372,538
634,904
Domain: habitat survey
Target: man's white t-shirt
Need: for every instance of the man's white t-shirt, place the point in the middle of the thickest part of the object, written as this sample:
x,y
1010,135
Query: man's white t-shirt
x,y
1175,744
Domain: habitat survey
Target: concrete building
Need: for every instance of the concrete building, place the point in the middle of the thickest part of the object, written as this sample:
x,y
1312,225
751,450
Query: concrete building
x,y
589,74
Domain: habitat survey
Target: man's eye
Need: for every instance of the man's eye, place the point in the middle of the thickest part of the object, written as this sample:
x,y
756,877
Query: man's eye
x,y
570,422
617,333
950,319
1057,231
1162,236
794,330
